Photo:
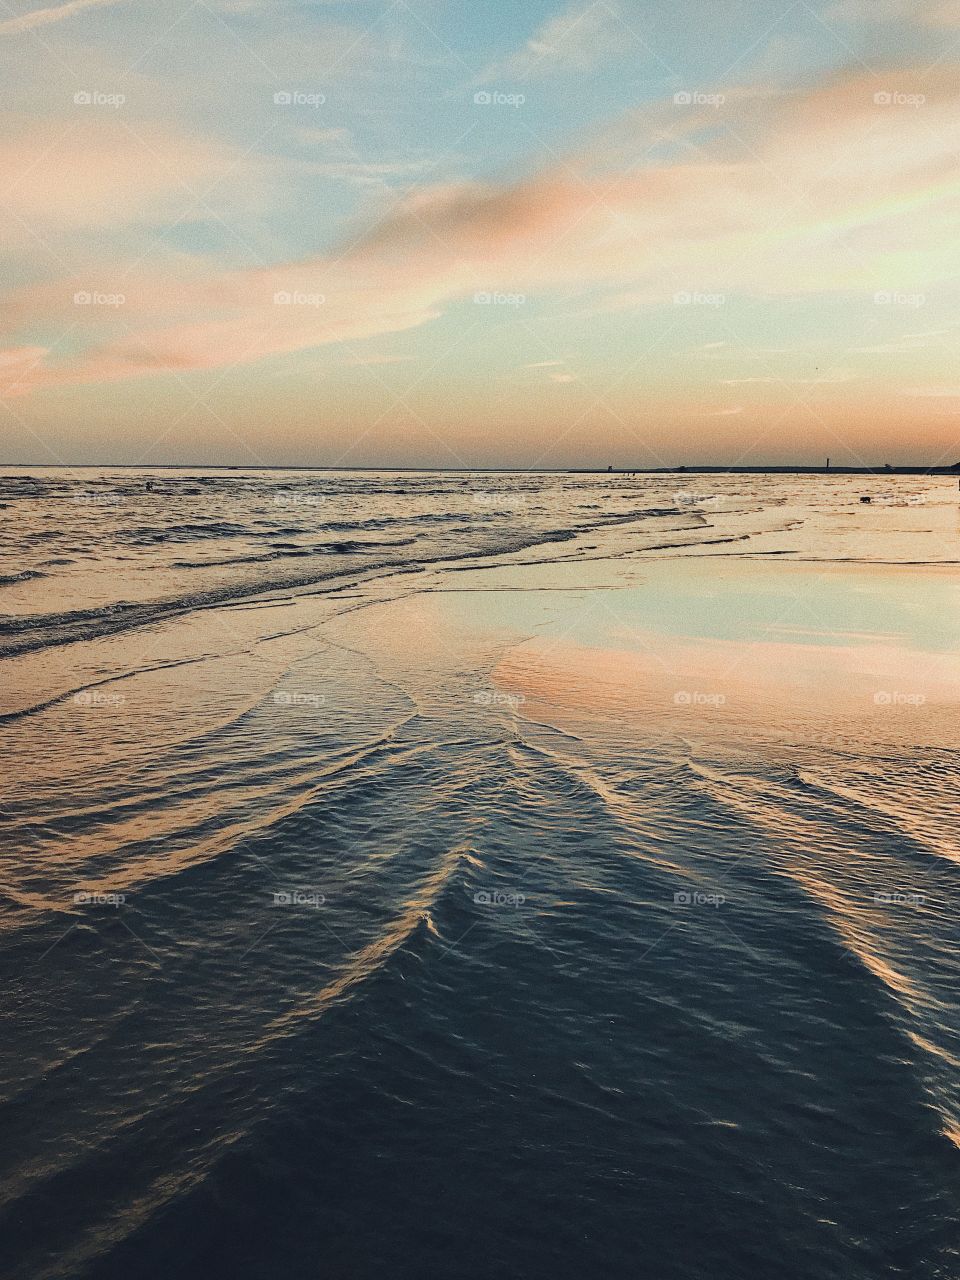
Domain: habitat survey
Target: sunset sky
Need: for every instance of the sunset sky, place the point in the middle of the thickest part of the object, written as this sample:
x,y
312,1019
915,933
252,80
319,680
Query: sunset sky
x,y
499,233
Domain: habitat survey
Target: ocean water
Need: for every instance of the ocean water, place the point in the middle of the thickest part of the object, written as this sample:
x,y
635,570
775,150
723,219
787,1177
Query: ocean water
x,y
515,875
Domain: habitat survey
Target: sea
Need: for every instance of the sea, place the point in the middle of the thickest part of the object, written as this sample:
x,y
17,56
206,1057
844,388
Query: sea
x,y
483,876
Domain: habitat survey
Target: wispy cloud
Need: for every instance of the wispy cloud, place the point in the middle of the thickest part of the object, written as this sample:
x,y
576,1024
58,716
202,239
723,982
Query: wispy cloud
x,y
789,214
827,380
363,361
119,174
931,13
54,13
573,41
370,172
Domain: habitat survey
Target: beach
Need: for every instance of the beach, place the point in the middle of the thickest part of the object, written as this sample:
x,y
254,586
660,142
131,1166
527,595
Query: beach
x,y
531,875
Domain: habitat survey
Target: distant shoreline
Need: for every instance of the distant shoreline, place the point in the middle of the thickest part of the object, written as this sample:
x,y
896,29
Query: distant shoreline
x,y
699,468
707,469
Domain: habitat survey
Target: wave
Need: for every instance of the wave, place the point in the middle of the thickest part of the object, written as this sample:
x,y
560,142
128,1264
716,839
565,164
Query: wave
x,y
154,535
41,631
839,867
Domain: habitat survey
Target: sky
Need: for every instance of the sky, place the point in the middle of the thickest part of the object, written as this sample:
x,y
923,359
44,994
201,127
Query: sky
x,y
426,233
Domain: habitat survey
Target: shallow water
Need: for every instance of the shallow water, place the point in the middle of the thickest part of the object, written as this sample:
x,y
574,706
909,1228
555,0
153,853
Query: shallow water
x,y
563,882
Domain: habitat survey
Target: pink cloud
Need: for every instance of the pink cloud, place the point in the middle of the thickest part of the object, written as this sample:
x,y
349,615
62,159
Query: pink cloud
x,y
16,366
99,170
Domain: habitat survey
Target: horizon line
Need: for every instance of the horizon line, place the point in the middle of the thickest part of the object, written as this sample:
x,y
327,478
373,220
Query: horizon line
x,y
884,469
